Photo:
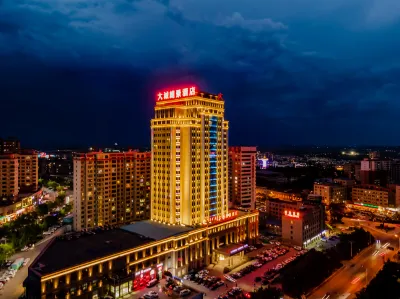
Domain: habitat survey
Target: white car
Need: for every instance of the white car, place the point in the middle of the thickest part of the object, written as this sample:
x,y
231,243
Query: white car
x,y
26,261
184,292
5,278
151,294
26,248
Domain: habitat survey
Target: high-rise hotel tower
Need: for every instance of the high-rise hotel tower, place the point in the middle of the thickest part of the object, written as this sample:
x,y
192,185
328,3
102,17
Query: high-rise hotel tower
x,y
189,138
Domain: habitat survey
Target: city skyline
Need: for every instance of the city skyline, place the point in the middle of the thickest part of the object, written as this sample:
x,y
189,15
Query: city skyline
x,y
311,73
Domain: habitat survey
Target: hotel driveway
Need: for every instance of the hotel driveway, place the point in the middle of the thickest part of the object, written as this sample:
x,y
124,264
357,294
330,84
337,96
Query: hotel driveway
x,y
246,283
159,289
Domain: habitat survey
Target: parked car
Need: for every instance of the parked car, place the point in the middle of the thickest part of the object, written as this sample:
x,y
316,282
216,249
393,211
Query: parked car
x,y
151,294
184,292
152,283
26,261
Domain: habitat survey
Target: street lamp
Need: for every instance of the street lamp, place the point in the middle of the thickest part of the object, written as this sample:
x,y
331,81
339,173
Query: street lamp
x,y
398,237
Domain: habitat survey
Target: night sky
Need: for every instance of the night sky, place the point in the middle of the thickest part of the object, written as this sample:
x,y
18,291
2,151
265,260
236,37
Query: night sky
x,y
79,73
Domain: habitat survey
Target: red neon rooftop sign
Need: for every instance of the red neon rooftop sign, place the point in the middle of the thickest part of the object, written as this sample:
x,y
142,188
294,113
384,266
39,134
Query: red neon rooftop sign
x,y
292,214
176,93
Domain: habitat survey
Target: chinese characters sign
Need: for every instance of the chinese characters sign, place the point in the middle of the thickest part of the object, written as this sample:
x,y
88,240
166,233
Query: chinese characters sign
x,y
176,93
228,216
292,214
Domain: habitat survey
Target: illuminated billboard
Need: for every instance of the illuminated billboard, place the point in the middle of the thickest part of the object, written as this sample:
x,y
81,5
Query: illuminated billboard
x,y
173,94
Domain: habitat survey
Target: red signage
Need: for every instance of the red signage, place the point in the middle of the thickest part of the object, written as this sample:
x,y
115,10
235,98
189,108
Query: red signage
x,y
176,93
229,216
292,214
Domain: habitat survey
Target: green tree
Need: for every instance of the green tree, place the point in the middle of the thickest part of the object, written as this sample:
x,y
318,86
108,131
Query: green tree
x,y
6,250
337,211
267,293
50,221
66,209
53,185
42,209
60,198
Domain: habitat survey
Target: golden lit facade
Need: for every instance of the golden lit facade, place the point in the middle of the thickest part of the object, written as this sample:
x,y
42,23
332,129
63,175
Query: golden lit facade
x,y
189,137
8,176
177,254
111,188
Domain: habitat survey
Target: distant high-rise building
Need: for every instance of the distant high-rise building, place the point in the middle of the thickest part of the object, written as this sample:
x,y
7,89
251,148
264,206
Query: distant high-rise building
x,y
375,171
8,176
242,176
9,146
374,155
111,188
189,142
352,170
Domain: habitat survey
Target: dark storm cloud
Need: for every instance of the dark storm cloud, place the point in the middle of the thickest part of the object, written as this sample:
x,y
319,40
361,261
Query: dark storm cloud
x,y
293,72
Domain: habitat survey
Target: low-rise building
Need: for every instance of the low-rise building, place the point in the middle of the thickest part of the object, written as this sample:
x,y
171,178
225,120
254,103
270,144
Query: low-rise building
x,y
282,195
275,207
331,192
374,196
303,226
118,261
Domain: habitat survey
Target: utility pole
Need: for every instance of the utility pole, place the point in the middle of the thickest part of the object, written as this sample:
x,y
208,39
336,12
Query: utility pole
x,y
351,248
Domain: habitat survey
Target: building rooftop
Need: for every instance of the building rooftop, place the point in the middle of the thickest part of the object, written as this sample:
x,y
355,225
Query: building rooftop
x,y
67,251
155,230
277,200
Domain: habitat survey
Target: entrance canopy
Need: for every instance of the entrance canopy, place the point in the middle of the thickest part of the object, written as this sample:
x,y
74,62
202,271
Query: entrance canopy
x,y
231,249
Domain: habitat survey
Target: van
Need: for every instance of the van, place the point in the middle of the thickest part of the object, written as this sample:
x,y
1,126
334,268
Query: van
x,y
152,283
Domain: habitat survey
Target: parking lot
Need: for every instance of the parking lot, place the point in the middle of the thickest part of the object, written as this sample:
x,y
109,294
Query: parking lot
x,y
269,257
163,292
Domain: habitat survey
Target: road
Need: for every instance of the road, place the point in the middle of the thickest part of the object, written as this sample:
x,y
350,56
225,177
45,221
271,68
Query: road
x,y
13,289
357,273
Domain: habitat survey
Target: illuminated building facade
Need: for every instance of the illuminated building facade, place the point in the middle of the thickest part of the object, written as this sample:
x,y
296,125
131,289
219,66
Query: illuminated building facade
x,y
18,173
189,141
374,196
242,176
28,171
8,176
111,188
131,256
9,146
303,226
331,192
189,182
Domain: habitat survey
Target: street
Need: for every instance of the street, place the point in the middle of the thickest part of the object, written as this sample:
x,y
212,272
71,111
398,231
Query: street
x,y
357,273
13,289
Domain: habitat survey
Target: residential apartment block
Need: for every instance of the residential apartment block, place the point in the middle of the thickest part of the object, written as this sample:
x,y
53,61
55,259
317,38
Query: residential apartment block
x,y
242,176
111,188
331,192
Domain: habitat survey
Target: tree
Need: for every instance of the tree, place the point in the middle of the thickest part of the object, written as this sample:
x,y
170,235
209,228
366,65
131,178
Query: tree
x,y
42,209
52,184
6,250
337,211
267,293
50,221
60,199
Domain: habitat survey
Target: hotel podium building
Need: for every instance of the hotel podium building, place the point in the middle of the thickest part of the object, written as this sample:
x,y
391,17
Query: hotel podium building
x,y
190,225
